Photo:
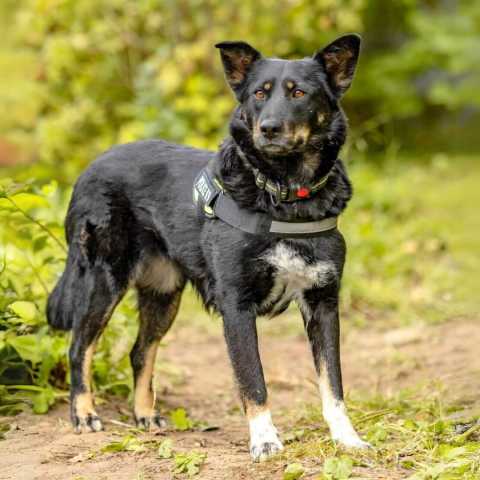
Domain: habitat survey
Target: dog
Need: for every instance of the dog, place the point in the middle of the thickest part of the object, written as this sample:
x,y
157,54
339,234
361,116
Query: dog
x,y
261,235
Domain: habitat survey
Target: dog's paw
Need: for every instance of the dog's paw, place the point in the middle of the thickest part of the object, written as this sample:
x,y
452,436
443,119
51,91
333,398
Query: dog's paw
x,y
89,423
263,451
152,422
353,441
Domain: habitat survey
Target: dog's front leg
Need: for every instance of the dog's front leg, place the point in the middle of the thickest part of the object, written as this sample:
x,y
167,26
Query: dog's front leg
x,y
320,313
241,336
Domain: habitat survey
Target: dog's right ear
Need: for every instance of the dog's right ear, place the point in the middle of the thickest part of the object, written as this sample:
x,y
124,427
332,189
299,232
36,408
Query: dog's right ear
x,y
237,58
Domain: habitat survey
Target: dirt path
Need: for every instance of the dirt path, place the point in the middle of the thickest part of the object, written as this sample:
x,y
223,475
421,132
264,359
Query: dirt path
x,y
44,447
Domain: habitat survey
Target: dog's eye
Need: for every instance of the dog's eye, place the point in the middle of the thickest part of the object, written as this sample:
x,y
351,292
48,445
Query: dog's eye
x,y
298,93
260,95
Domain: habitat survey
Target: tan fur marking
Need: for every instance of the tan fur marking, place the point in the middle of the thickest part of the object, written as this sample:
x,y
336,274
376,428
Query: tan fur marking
x,y
256,130
144,403
84,401
252,410
84,405
160,274
320,117
302,132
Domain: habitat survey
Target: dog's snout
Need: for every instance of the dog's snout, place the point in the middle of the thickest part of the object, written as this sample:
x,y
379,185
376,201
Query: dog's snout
x,y
270,128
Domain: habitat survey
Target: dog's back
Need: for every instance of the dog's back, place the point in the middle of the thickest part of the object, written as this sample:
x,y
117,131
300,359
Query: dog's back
x,y
120,211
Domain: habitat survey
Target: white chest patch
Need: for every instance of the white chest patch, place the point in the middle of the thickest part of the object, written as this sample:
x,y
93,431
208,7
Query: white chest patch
x,y
293,275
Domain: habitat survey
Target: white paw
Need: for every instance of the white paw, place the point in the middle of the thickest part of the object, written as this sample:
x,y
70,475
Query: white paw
x,y
263,451
264,441
340,426
352,441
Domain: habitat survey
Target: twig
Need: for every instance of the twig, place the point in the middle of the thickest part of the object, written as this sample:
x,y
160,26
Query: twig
x,y
37,275
36,222
120,424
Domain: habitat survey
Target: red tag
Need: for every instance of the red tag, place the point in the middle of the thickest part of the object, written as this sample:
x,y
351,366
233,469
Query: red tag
x,y
303,192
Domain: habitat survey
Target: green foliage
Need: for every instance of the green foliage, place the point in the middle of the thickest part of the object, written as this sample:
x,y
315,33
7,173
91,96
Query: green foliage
x,y
293,471
28,352
95,73
180,420
129,443
189,463
419,439
338,468
404,237
33,364
165,449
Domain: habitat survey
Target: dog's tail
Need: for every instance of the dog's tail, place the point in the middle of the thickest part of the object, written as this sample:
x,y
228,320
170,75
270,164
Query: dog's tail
x,y
61,301
58,311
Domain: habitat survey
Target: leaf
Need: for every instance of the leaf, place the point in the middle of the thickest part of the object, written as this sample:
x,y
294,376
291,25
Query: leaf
x,y
180,420
129,443
338,468
189,463
26,201
293,471
39,243
165,449
25,310
28,347
43,400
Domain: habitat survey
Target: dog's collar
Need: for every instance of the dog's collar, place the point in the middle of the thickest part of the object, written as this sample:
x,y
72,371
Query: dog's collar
x,y
212,201
283,193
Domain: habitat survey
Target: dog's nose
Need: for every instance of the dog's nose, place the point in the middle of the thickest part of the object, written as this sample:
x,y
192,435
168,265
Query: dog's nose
x,y
270,128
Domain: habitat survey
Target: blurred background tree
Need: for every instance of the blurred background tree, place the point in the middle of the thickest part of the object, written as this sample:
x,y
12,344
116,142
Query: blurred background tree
x,y
91,73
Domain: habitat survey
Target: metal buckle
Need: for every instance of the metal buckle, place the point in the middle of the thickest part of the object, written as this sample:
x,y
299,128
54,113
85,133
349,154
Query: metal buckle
x,y
260,180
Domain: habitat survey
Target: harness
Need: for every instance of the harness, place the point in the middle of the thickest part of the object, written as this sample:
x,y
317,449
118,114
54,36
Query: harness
x,y
213,201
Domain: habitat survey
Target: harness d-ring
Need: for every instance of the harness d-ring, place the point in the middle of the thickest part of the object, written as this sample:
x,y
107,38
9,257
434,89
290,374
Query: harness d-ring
x,y
277,196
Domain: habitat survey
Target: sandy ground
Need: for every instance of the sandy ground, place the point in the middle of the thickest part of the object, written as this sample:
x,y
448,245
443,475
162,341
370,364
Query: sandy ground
x,y
44,447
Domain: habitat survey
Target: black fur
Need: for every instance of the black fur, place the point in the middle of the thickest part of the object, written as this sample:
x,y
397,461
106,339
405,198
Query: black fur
x,y
134,205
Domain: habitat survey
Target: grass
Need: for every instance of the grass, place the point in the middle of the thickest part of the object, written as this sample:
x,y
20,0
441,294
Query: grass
x,y
410,229
415,437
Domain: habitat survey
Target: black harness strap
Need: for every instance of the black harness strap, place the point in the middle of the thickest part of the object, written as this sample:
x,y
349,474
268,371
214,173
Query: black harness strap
x,y
213,202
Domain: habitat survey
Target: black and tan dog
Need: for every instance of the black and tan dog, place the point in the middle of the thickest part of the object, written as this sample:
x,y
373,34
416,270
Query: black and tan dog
x,y
132,223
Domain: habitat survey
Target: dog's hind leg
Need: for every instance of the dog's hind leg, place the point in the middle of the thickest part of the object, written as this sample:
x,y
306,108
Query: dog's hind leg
x,y
320,313
157,312
100,294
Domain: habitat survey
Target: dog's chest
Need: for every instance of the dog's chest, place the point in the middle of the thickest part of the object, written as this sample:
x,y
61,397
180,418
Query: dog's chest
x,y
293,275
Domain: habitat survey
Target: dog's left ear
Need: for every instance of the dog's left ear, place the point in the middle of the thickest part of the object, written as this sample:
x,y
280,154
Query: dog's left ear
x,y
339,60
237,58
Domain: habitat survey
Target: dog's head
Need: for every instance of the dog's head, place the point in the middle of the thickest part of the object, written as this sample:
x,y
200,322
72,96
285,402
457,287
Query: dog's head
x,y
290,105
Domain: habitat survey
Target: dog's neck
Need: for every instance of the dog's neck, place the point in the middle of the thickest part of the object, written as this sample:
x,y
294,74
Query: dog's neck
x,y
235,164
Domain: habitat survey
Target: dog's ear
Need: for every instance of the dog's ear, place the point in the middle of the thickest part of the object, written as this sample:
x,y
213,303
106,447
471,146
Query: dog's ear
x,y
237,58
339,60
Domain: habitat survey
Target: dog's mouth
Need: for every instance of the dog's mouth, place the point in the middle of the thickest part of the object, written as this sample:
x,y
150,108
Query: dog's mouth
x,y
277,147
